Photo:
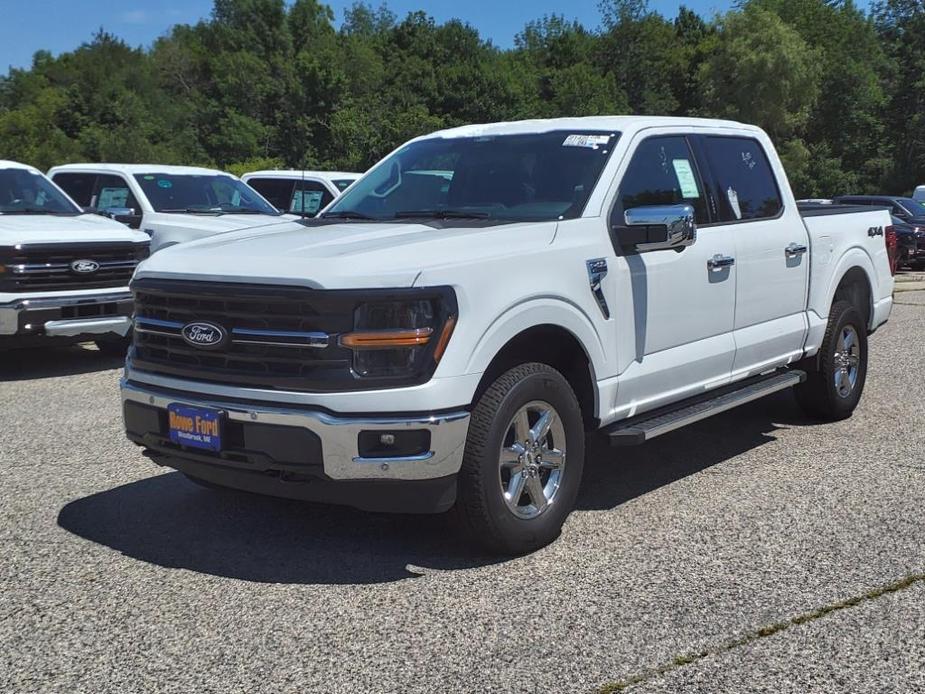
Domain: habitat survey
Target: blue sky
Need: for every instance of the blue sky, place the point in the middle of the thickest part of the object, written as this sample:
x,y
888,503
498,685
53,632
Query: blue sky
x,y
61,25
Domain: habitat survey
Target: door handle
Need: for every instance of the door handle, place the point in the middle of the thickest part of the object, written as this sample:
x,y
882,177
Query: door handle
x,y
795,249
718,262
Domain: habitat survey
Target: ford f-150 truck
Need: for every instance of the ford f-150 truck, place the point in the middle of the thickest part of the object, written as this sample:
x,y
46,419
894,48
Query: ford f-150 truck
x,y
63,274
447,331
304,193
172,204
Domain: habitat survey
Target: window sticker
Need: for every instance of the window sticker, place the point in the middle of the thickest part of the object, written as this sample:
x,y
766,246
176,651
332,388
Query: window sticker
x,y
686,179
164,183
734,202
590,141
112,197
149,178
306,201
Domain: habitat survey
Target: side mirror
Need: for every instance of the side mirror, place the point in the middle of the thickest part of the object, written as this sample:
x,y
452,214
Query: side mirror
x,y
657,228
125,215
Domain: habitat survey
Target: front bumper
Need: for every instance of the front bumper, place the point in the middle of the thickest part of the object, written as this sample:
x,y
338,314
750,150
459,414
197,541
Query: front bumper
x,y
89,316
306,453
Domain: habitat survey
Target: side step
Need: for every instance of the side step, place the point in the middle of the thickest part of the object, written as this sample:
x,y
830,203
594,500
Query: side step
x,y
641,428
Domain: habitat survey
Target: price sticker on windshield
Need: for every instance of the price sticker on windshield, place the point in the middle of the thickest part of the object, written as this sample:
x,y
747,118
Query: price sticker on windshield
x,y
591,141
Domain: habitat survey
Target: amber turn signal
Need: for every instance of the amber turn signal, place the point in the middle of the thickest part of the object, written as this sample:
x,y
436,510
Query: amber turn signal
x,y
444,338
387,339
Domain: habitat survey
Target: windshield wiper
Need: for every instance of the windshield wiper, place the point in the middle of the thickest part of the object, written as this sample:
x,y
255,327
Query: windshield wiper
x,y
195,210
442,214
36,210
347,214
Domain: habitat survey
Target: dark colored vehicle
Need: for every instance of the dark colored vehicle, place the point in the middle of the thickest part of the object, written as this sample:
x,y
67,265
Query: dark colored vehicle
x,y
910,242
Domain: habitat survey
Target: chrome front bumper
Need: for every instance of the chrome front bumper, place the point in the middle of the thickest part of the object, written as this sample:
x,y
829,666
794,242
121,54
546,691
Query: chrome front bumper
x,y
338,434
68,316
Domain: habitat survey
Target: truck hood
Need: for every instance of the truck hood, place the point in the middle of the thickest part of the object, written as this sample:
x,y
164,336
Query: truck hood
x,y
214,224
341,256
86,228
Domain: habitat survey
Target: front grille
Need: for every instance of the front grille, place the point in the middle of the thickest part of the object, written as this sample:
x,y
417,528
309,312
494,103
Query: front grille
x,y
277,337
50,267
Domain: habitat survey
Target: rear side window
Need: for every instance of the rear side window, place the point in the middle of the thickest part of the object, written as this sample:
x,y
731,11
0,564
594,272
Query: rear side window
x,y
662,172
78,185
277,190
747,188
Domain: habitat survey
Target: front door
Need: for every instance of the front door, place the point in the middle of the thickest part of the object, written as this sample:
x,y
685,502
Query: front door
x,y
675,335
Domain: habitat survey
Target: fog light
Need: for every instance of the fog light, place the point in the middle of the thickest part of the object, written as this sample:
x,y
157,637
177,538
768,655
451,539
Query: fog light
x,y
393,444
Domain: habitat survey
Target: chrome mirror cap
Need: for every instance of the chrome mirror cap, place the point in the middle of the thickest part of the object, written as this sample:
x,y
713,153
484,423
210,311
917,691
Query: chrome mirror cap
x,y
670,226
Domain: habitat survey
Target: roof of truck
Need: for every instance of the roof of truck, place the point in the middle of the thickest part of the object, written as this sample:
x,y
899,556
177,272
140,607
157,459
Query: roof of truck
x,y
621,124
294,173
7,164
133,169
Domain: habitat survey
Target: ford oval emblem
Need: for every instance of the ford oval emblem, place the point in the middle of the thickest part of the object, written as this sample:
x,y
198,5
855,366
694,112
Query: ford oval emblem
x,y
204,335
85,267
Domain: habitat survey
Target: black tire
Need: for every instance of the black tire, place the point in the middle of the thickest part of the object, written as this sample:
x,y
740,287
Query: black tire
x,y
480,510
819,396
113,347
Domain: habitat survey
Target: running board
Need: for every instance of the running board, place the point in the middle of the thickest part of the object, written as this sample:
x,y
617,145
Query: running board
x,y
641,428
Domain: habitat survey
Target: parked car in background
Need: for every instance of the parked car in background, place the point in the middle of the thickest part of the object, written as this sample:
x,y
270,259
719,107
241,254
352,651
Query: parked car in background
x,y
445,339
906,209
910,243
303,193
172,204
63,274
919,194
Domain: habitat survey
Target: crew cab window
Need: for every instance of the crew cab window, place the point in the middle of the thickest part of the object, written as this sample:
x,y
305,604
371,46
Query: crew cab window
x,y
662,172
113,191
309,198
747,187
78,185
278,191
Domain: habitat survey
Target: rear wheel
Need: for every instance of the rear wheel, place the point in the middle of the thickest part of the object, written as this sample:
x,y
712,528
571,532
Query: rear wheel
x,y
836,376
523,461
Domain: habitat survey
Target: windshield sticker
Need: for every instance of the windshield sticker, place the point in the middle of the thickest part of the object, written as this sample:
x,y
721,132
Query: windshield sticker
x,y
164,183
686,179
590,141
149,178
734,202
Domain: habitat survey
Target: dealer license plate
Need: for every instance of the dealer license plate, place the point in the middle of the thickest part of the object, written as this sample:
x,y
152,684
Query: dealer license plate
x,y
197,427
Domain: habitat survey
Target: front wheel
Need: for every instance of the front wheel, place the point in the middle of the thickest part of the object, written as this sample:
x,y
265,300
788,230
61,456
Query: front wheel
x,y
523,461
836,376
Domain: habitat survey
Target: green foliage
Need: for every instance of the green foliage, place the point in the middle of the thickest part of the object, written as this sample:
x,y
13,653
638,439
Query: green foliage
x,y
277,83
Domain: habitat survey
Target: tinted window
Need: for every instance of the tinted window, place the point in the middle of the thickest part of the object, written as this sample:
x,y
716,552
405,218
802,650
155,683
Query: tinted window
x,y
277,190
113,191
78,185
747,188
662,172
914,207
535,176
343,183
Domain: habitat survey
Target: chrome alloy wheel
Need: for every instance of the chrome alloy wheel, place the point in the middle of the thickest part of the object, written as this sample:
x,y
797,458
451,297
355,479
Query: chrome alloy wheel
x,y
847,361
532,459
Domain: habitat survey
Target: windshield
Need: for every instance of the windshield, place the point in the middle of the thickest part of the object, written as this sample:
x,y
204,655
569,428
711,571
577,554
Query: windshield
x,y
913,207
25,192
533,177
206,194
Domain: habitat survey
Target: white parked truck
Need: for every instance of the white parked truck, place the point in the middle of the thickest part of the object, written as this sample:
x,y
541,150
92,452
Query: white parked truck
x,y
304,193
172,204
63,274
447,331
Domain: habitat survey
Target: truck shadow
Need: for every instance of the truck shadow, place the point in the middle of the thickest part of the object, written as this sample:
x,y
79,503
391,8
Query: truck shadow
x,y
168,521
51,362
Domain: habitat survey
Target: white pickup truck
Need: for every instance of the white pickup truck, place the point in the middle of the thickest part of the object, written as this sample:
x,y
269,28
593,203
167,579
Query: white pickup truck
x,y
303,193
447,331
172,204
63,274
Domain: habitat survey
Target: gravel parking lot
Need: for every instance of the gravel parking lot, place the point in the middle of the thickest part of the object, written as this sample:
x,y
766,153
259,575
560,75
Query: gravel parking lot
x,y
755,551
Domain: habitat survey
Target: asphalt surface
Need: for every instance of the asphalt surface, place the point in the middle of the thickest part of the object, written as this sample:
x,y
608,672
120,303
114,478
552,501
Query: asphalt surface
x,y
755,551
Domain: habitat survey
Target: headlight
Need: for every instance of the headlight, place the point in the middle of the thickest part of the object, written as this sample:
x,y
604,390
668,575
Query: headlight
x,y
398,338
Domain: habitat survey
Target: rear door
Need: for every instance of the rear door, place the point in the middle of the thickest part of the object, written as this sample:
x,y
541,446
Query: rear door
x,y
771,251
